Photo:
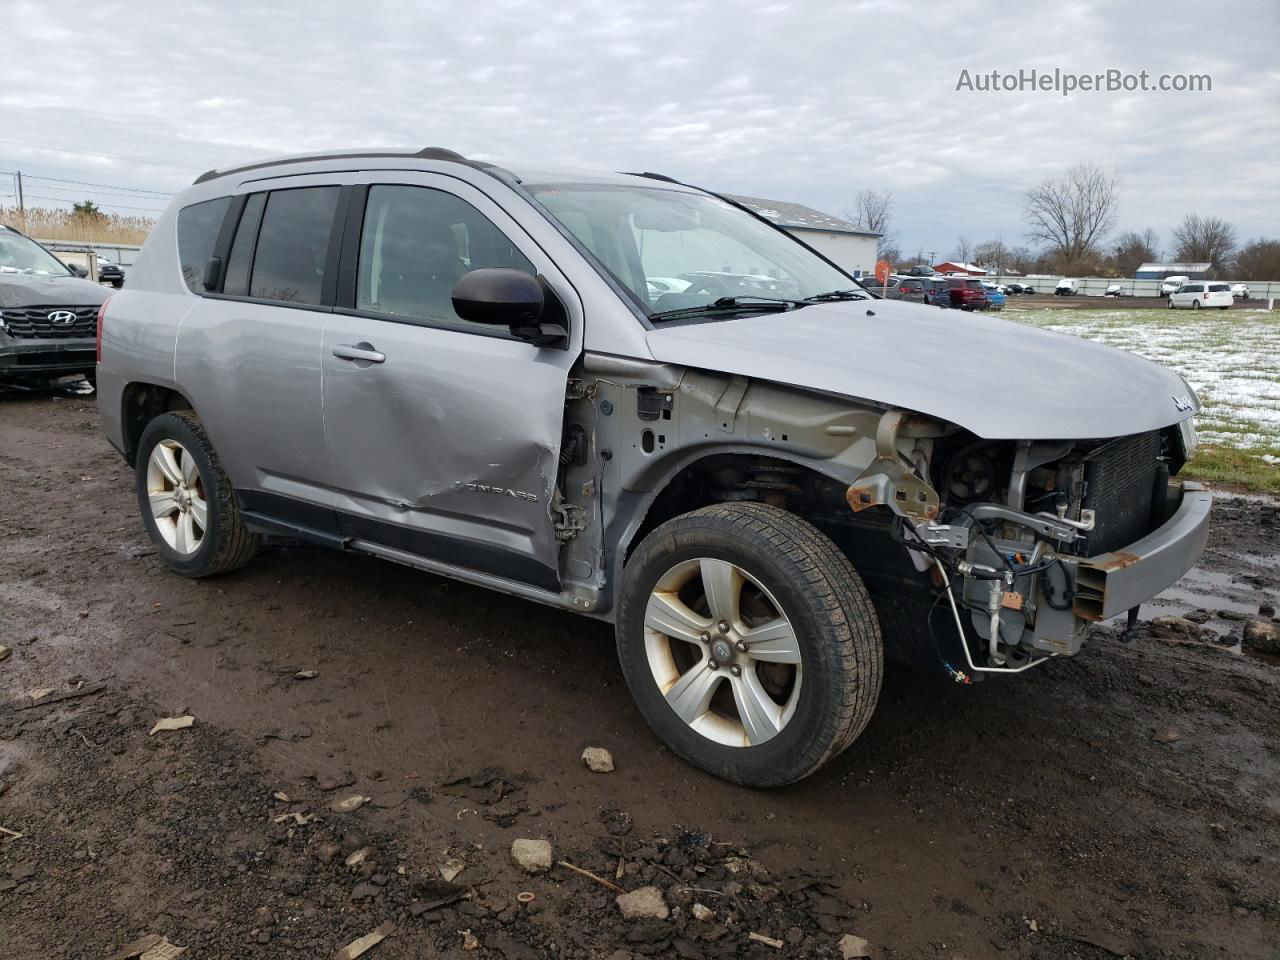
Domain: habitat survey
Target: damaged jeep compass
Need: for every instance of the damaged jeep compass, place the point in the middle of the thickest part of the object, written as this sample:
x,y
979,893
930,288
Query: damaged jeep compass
x,y
763,478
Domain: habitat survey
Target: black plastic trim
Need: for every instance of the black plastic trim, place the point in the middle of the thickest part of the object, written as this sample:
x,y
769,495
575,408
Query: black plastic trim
x,y
480,557
274,513
290,510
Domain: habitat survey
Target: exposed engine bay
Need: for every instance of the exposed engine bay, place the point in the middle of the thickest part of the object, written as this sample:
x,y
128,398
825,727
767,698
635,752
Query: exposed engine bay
x,y
1012,532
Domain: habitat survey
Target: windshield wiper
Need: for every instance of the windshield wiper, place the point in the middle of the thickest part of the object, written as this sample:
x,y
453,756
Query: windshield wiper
x,y
841,295
731,305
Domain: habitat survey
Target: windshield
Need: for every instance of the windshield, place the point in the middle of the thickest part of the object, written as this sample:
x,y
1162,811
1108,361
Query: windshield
x,y
20,255
673,250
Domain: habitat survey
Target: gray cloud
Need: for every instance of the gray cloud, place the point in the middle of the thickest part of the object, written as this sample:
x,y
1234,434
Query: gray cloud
x,y
801,101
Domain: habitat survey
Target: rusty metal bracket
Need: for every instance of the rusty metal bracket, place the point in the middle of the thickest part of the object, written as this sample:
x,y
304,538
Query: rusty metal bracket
x,y
889,480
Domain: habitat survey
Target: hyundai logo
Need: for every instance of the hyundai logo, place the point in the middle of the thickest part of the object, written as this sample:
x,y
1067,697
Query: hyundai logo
x,y
1182,403
62,317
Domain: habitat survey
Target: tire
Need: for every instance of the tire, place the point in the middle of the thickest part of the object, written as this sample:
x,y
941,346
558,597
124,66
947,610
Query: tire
x,y
223,543
1171,303
1195,304
828,624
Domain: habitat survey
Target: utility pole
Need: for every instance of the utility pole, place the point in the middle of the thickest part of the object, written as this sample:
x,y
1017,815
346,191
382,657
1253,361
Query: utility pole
x,y
932,254
22,210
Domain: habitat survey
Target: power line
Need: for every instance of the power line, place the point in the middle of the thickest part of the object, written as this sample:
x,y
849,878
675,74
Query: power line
x,y
113,206
70,193
105,186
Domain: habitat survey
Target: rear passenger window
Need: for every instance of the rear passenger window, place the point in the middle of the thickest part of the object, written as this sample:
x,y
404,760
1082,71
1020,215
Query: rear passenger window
x,y
417,243
293,243
198,227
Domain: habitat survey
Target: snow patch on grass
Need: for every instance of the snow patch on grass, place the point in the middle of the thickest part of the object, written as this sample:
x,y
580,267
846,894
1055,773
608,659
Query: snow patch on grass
x,y
1231,358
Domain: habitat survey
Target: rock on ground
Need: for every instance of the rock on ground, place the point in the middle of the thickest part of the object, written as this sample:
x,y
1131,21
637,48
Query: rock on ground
x,y
853,948
643,903
1262,636
531,856
598,759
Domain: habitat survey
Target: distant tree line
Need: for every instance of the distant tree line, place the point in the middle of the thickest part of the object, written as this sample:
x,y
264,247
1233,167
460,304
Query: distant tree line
x,y
1070,219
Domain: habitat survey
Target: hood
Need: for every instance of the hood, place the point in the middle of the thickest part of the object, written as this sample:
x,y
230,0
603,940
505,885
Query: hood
x,y
996,378
28,290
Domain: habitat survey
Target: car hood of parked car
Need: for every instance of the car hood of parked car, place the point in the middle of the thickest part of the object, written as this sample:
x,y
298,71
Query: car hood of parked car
x,y
34,290
997,378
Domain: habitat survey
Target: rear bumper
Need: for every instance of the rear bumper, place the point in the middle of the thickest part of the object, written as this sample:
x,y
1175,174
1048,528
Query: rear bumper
x,y
19,357
1111,583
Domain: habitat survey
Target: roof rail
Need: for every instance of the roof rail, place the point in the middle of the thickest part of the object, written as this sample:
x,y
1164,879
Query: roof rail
x,y
654,176
427,153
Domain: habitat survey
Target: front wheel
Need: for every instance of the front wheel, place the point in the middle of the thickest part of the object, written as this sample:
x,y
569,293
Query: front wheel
x,y
1171,303
188,505
749,643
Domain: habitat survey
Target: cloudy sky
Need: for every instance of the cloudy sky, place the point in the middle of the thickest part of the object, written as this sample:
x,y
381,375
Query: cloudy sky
x,y
804,101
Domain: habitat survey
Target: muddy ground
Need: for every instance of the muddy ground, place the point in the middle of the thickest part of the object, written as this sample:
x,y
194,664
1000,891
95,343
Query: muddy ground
x,y
1043,816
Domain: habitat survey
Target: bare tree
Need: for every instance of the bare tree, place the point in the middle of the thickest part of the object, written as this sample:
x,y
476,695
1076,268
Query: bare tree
x,y
1132,250
964,248
992,254
1204,240
1074,212
1021,259
1258,260
873,211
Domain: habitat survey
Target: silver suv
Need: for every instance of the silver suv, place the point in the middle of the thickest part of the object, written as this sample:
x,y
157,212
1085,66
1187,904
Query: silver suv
x,y
463,368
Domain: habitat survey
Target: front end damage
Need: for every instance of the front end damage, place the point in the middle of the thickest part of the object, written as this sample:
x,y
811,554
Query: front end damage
x,y
1027,542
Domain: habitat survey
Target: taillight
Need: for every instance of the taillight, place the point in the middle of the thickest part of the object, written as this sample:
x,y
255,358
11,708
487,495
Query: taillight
x,y
102,312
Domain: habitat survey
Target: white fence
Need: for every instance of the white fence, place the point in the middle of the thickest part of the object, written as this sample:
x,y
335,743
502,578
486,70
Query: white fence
x,y
121,253
1097,286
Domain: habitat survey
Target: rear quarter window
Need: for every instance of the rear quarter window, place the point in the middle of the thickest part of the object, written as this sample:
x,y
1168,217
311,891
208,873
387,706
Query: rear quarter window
x,y
1219,288
198,227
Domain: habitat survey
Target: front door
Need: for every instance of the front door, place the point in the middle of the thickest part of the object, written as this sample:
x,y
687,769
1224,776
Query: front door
x,y
443,435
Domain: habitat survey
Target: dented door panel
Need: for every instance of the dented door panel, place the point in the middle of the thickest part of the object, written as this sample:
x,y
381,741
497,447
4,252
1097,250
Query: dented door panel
x,y
447,447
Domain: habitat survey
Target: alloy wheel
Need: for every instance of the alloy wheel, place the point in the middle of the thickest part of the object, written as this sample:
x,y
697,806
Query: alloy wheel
x,y
177,497
723,652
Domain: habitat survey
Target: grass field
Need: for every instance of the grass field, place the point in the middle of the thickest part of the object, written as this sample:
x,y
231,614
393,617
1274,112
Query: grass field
x,y
1231,358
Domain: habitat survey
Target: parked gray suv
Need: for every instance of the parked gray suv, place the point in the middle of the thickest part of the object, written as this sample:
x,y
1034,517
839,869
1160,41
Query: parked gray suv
x,y
463,368
48,315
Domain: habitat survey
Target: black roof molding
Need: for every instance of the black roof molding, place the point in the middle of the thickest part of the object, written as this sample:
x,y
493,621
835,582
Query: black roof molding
x,y
427,153
654,176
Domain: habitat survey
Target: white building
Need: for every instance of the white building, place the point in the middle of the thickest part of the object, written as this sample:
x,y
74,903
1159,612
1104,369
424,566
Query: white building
x,y
849,247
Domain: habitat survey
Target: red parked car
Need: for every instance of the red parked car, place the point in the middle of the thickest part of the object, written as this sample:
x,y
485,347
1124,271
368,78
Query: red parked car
x,y
965,293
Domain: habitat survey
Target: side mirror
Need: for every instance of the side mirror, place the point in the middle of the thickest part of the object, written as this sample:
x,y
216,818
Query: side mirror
x,y
501,296
78,270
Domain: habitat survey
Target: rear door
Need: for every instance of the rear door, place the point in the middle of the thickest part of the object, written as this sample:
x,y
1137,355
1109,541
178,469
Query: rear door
x,y
251,348
443,435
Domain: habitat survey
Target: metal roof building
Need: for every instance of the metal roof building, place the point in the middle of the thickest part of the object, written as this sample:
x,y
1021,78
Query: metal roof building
x,y
847,245
1158,271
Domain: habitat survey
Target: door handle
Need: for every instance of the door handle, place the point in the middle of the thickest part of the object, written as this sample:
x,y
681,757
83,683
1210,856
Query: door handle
x,y
358,351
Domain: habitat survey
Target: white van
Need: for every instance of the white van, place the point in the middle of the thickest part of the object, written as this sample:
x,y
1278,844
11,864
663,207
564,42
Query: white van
x,y
1067,288
1171,285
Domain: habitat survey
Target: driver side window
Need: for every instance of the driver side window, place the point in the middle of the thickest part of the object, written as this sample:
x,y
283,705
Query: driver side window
x,y
416,243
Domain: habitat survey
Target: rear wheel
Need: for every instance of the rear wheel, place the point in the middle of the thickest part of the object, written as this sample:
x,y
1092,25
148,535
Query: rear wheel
x,y
188,505
749,643
1195,304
